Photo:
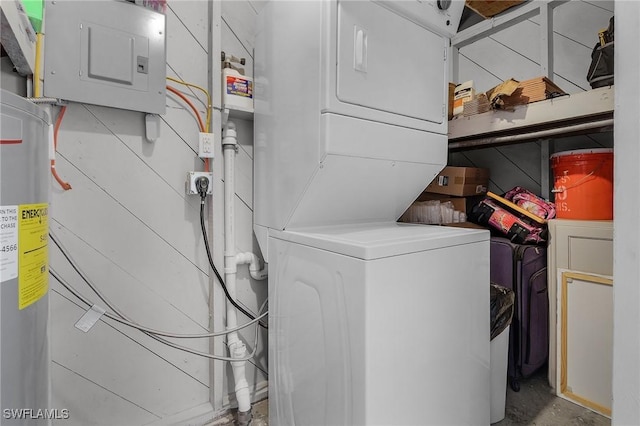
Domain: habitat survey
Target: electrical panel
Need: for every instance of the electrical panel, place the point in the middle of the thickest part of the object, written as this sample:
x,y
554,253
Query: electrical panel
x,y
107,53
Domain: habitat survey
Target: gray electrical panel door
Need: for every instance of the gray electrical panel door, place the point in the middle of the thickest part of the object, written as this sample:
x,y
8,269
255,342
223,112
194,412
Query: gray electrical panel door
x,y
109,53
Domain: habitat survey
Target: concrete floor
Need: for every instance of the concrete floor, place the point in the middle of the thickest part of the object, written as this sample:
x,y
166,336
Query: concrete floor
x,y
533,405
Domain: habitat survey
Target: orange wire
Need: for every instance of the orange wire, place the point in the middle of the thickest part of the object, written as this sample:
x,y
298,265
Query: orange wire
x,y
63,184
197,113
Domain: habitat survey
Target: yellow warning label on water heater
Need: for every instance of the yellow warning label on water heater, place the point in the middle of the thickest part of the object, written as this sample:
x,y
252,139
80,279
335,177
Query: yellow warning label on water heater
x,y
33,253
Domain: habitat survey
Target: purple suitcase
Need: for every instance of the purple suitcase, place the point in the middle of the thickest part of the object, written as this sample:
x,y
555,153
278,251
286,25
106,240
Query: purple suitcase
x,y
523,268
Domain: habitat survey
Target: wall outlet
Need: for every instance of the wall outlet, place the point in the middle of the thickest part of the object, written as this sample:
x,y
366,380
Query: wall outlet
x,y
206,145
190,184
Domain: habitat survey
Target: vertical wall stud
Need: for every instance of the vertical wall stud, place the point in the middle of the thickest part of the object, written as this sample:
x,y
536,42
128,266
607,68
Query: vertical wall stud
x,y
546,68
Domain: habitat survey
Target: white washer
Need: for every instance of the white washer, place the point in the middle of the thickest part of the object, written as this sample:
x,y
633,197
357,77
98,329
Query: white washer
x,y
379,324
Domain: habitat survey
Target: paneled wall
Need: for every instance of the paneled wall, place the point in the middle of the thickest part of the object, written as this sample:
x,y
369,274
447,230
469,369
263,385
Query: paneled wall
x,y
130,227
515,53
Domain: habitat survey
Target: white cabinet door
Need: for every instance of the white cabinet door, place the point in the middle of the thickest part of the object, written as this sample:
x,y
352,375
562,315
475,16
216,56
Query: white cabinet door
x,y
388,63
577,245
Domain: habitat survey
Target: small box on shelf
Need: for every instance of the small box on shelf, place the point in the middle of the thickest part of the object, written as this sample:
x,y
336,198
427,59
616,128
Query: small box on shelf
x,y
460,181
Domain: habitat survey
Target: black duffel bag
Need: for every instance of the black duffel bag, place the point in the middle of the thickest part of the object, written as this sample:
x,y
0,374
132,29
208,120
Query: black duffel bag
x,y
601,68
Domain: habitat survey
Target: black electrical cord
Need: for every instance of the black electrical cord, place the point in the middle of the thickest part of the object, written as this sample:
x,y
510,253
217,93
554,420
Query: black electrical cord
x,y
202,185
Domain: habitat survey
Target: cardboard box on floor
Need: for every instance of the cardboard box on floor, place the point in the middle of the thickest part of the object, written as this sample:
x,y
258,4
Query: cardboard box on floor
x,y
460,181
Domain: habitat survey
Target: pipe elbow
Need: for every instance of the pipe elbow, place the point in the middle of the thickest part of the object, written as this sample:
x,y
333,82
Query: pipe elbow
x,y
253,261
259,274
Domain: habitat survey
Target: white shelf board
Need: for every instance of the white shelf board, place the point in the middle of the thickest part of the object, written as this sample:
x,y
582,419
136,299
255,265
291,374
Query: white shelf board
x,y
585,112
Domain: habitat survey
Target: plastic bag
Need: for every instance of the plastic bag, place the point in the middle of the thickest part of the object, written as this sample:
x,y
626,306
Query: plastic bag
x,y
501,307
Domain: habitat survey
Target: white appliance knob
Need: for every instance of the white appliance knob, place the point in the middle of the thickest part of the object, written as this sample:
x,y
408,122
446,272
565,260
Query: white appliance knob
x,y
444,4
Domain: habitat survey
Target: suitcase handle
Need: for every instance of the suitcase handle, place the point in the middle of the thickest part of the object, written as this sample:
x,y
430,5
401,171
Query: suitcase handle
x,y
517,208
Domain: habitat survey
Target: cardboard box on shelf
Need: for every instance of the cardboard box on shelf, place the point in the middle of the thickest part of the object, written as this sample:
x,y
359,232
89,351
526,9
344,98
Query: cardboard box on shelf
x,y
463,93
511,93
488,8
460,181
477,106
452,89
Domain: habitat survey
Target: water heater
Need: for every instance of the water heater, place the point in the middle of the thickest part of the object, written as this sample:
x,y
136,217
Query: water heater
x,y
24,262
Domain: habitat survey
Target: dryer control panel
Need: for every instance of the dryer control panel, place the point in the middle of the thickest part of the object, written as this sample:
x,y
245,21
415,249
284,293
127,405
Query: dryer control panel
x,y
442,16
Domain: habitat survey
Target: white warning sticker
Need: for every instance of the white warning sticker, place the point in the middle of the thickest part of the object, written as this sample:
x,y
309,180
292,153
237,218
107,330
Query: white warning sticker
x,y
8,243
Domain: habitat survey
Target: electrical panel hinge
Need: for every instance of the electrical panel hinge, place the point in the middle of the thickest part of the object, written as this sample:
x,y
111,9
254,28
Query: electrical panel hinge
x,y
445,54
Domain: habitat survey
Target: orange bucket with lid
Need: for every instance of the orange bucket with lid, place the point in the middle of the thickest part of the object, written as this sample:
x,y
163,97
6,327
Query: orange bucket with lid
x,y
583,184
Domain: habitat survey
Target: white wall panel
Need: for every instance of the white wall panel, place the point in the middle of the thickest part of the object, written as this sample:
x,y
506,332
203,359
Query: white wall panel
x,y
128,370
100,154
244,176
240,16
526,156
185,54
498,60
107,407
93,215
482,79
522,39
591,16
169,157
505,173
571,61
245,135
193,16
131,227
257,5
126,293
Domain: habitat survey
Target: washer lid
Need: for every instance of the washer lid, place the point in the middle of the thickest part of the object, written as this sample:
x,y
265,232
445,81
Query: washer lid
x,y
378,240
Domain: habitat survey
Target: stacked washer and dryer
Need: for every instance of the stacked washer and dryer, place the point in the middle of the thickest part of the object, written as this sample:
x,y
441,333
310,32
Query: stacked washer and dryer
x,y
371,321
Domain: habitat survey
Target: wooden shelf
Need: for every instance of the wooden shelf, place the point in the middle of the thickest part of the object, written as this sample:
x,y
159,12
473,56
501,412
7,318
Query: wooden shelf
x,y
580,113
